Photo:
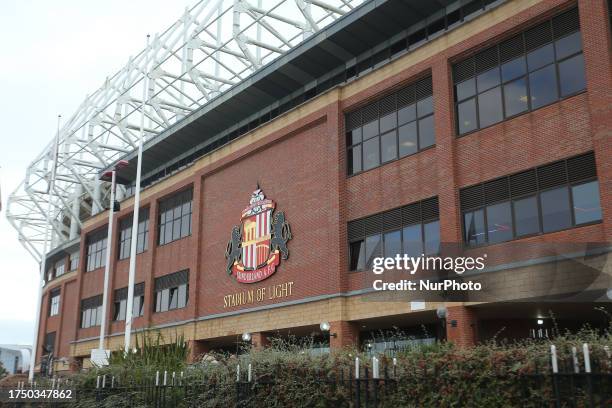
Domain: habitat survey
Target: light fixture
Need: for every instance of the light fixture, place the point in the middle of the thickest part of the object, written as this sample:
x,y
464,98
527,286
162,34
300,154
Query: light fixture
x,y
441,312
246,337
326,327
540,322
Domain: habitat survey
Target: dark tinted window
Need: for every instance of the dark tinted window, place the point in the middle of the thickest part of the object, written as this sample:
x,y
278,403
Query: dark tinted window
x,y
407,230
549,198
521,72
397,125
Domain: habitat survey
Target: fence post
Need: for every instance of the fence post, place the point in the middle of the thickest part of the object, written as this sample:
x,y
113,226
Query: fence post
x,y
375,379
589,375
357,388
555,371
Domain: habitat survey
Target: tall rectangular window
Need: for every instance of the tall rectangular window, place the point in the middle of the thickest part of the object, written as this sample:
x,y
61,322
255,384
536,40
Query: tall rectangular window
x,y
125,234
91,312
172,291
54,302
395,126
548,198
120,302
96,249
49,343
60,268
74,260
534,68
413,230
175,217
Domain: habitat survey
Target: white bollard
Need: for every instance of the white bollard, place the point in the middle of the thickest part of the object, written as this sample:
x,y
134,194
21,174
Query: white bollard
x,y
98,382
238,373
104,381
113,382
375,368
173,377
587,358
575,360
553,357
249,373
356,368
157,378
181,378
165,377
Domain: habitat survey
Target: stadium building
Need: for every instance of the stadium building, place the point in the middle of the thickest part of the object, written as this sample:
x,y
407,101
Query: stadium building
x,y
447,127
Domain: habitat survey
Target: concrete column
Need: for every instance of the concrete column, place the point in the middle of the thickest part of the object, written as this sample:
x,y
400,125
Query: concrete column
x,y
259,340
346,335
461,326
197,349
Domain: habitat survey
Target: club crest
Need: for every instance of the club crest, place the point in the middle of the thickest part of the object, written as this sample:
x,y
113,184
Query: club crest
x,y
258,244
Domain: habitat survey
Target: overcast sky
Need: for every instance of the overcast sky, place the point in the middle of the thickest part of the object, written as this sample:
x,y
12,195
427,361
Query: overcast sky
x,y
52,54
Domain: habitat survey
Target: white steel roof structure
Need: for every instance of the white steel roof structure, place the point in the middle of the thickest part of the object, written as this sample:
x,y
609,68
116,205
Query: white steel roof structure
x,y
213,46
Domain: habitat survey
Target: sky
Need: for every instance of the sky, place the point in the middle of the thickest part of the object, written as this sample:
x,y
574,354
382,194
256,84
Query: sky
x,y
52,54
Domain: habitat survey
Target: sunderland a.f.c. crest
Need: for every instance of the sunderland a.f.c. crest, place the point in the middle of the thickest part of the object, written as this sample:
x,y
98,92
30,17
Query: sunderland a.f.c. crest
x,y
258,244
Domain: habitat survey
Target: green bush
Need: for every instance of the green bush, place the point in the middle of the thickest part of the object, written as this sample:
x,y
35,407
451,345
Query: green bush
x,y
287,375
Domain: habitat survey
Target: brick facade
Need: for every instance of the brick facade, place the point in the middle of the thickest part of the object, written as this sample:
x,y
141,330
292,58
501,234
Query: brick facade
x,y
299,160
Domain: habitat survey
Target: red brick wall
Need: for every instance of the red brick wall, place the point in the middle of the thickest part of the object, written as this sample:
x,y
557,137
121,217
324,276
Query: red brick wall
x,y
303,169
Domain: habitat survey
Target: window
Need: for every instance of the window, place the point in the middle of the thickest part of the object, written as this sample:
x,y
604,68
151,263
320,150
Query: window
x,y
96,249
395,126
175,217
74,261
49,343
172,291
549,198
60,268
91,312
120,302
532,69
125,234
413,230
54,302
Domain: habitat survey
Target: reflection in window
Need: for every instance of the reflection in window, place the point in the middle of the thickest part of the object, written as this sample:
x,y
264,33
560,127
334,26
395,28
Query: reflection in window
x,y
413,230
395,126
521,72
586,202
535,201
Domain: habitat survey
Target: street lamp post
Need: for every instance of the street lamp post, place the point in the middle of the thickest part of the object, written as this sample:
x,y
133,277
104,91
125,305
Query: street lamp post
x,y
102,358
132,271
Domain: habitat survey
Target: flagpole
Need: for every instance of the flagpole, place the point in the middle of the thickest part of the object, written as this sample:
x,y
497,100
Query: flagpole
x,y
43,259
132,272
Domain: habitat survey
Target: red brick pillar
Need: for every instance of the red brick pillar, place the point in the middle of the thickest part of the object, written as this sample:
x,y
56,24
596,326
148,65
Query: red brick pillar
x,y
461,326
346,334
197,349
259,340
597,47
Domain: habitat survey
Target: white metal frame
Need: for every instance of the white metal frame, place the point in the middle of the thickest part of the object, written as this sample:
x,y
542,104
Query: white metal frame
x,y
213,46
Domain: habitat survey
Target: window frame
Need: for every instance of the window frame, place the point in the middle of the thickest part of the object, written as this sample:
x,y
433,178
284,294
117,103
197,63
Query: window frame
x,y
54,302
168,206
413,88
524,76
165,286
97,245
400,228
567,184
142,236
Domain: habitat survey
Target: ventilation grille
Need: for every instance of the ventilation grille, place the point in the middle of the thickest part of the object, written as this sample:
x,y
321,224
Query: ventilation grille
x,y
496,190
528,40
172,280
581,167
566,23
92,302
394,219
472,197
390,103
122,293
523,183
527,182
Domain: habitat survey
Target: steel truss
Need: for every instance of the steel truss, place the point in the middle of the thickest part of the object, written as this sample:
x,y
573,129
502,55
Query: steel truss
x,y
213,46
